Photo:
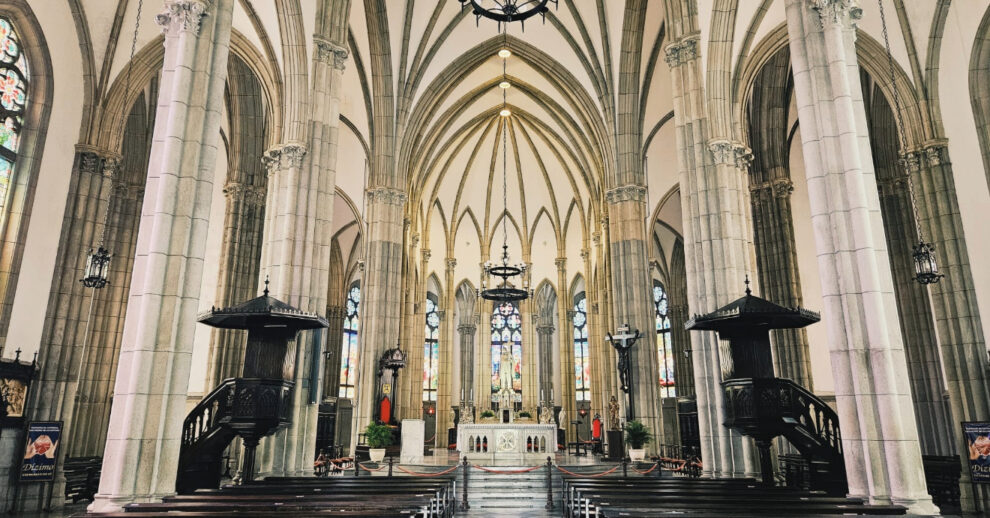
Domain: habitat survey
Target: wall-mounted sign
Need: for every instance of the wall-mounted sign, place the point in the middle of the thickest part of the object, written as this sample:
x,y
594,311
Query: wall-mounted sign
x,y
978,448
43,440
13,392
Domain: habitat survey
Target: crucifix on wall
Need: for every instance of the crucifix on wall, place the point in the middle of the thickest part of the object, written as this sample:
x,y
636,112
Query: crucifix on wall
x,y
623,342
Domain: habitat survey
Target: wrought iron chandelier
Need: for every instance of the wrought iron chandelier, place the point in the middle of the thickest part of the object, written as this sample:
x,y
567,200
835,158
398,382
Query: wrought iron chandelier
x,y
97,272
507,11
925,263
503,290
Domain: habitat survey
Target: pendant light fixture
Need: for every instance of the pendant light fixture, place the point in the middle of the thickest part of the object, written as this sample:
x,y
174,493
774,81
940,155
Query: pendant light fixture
x,y
506,11
925,263
503,291
97,271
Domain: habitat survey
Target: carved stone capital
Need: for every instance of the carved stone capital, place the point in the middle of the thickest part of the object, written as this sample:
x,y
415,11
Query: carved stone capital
x,y
911,161
467,329
425,253
387,195
723,152
596,237
246,193
414,239
336,312
285,156
892,186
834,12
545,330
561,263
743,156
936,154
111,166
181,16
585,254
782,187
330,53
451,263
625,193
124,190
360,265
681,52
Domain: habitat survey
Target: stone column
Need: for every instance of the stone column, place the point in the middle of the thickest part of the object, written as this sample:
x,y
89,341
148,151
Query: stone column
x,y
296,255
466,330
240,254
445,397
678,313
153,373
410,397
544,333
564,394
382,302
879,434
483,360
957,316
633,295
332,354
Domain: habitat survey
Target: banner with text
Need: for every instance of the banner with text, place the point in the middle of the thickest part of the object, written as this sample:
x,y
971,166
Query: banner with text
x,y
978,448
43,438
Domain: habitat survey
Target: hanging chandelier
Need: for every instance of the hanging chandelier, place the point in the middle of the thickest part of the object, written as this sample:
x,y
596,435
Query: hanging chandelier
x,y
503,290
507,11
925,264
97,272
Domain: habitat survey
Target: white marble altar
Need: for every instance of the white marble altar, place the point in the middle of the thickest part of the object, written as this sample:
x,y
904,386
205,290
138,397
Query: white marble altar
x,y
523,442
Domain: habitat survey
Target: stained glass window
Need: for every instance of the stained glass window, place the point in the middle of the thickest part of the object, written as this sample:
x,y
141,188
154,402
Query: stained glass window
x,y
13,100
349,349
582,364
431,352
665,351
506,332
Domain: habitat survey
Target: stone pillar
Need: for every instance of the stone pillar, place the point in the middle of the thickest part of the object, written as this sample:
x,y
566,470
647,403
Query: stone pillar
x,y
410,397
564,394
381,302
633,295
873,396
332,355
466,330
957,317
240,254
544,333
716,248
445,384
153,373
678,313
66,336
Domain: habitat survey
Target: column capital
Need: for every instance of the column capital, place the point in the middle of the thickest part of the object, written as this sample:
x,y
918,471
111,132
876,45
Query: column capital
x,y
247,193
723,152
414,239
833,12
682,51
782,187
124,190
387,195
451,264
425,254
623,193
284,156
596,237
585,254
936,154
182,16
743,156
330,53
545,329
911,161
94,161
336,312
467,328
561,263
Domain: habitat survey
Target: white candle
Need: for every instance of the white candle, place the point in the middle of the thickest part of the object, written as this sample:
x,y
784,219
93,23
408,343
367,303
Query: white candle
x,y
541,394
551,393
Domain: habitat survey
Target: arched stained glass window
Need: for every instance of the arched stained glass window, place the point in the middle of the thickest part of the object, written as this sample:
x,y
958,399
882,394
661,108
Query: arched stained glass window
x,y
431,352
349,349
506,332
13,101
582,363
665,351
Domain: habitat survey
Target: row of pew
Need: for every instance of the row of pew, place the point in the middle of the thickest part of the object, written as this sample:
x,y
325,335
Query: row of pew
x,y
652,497
385,497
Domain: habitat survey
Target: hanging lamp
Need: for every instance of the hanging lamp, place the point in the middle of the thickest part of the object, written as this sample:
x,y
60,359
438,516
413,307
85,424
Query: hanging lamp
x,y
503,290
97,272
507,11
925,263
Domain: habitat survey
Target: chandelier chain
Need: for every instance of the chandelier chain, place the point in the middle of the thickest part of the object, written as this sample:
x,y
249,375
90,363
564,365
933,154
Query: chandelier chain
x,y
900,129
505,154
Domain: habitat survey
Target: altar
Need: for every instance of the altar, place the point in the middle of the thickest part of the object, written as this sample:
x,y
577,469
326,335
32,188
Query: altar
x,y
529,443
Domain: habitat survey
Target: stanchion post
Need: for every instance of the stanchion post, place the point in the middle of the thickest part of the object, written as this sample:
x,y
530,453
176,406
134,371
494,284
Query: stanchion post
x,y
464,486
625,466
549,505
391,460
357,467
659,469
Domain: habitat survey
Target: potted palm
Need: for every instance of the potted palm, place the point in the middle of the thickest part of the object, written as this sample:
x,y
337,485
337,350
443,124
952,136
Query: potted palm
x,y
638,436
487,416
378,437
524,416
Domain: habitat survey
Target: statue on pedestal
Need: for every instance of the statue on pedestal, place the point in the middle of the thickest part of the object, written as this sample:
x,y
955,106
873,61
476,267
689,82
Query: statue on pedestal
x,y
506,369
613,414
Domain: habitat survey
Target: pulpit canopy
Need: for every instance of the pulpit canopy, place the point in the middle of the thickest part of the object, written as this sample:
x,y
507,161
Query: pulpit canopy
x,y
749,312
263,311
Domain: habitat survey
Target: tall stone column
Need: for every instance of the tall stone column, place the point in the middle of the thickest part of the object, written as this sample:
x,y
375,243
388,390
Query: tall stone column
x,y
381,302
879,434
149,398
957,317
445,397
678,313
483,360
410,396
66,337
466,330
240,254
332,355
564,394
633,294
544,333
716,249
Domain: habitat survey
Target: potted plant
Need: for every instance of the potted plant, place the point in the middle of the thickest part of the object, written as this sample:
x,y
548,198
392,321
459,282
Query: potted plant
x,y
638,436
378,437
524,416
487,415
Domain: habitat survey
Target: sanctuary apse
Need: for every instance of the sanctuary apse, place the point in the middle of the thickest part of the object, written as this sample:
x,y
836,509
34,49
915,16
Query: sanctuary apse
x,y
365,162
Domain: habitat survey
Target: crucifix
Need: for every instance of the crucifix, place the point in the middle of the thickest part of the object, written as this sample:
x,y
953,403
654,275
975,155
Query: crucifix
x,y
623,341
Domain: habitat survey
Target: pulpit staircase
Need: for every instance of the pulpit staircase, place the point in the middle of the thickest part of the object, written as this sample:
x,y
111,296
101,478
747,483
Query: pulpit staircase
x,y
250,408
780,407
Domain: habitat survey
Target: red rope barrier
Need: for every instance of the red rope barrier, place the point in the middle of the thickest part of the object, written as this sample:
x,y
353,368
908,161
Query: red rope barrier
x,y
647,472
413,473
602,474
527,470
428,441
369,469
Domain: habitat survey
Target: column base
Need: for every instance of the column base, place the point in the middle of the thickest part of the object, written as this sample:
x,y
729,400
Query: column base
x,y
114,504
921,506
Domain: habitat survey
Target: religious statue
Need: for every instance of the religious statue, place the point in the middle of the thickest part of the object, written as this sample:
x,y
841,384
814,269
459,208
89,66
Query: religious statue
x,y
546,415
613,414
506,369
